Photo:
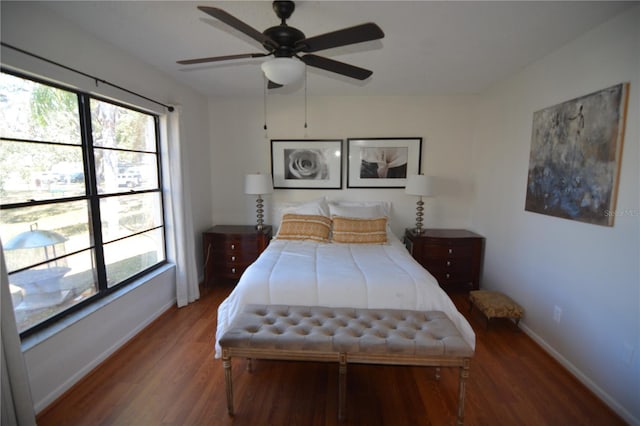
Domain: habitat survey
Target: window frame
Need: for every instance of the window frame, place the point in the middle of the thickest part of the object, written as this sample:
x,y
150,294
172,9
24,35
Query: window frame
x,y
93,197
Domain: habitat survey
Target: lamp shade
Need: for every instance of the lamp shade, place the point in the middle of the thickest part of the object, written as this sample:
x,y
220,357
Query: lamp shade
x,y
419,185
283,70
258,184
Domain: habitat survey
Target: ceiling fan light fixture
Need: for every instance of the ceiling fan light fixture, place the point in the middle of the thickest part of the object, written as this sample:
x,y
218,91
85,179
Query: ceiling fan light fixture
x,y
283,71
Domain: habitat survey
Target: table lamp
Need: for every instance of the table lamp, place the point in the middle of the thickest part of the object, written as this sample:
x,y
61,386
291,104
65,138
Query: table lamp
x,y
419,185
258,184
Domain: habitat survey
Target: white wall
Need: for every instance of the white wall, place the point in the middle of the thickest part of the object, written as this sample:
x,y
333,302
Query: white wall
x,y
57,362
591,272
239,146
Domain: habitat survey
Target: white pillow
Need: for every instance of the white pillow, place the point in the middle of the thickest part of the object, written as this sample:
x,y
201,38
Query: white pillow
x,y
318,207
360,209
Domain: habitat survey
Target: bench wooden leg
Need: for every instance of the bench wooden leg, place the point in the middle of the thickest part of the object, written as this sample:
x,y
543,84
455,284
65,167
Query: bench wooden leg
x,y
462,386
226,363
342,387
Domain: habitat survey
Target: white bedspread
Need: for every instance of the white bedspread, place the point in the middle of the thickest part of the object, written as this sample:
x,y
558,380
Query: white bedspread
x,y
339,275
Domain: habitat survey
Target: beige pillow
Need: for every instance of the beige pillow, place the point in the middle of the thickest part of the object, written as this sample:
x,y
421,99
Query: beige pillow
x,y
359,230
304,227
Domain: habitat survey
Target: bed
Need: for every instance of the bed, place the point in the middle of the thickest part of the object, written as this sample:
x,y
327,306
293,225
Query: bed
x,y
300,269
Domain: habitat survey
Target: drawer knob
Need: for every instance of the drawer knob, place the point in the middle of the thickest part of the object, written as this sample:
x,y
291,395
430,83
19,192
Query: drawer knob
x,y
233,270
233,258
450,251
233,246
448,276
448,263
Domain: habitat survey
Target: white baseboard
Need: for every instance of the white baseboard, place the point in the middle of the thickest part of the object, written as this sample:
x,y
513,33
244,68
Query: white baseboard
x,y
604,396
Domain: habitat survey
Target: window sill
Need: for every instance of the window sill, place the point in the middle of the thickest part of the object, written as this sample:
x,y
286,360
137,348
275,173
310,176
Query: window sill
x,y
43,335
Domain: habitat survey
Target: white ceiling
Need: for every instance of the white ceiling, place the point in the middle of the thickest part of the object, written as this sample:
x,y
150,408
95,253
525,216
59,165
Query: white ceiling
x,y
429,47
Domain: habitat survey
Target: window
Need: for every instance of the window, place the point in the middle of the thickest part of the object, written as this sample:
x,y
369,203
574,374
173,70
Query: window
x,y
81,210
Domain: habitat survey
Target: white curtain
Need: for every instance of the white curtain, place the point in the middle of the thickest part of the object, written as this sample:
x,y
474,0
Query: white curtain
x,y
180,232
17,404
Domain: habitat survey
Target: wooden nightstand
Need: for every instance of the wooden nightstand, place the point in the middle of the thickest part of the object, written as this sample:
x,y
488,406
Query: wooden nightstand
x,y
453,256
229,249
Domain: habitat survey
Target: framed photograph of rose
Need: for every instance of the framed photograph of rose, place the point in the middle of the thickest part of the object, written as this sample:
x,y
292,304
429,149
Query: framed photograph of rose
x,y
306,164
382,162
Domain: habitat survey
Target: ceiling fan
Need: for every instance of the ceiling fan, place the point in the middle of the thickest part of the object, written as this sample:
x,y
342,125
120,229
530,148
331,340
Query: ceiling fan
x,y
291,49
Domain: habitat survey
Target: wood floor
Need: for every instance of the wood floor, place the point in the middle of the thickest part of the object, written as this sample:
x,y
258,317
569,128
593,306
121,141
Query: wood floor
x,y
167,376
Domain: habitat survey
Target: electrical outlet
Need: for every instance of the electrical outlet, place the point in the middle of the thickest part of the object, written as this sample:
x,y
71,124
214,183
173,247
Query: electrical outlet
x,y
557,313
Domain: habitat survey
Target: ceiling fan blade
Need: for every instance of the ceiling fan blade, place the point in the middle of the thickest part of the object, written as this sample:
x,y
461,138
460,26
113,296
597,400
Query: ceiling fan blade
x,y
344,37
234,22
222,58
272,85
337,67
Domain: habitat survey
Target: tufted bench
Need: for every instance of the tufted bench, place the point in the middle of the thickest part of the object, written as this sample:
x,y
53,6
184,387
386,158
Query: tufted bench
x,y
346,335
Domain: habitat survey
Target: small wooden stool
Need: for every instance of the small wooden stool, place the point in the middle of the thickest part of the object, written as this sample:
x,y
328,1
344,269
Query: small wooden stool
x,y
494,304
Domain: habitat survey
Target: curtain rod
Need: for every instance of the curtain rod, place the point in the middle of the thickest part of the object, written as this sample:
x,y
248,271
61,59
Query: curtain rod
x,y
96,79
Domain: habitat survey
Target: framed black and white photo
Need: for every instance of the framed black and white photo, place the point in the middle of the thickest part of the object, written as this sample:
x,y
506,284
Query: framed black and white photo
x,y
306,164
382,162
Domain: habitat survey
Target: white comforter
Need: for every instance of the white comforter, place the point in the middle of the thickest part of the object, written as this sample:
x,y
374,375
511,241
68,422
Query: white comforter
x,y
339,275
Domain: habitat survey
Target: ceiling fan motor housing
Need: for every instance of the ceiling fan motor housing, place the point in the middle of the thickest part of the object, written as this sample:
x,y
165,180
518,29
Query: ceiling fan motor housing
x,y
286,37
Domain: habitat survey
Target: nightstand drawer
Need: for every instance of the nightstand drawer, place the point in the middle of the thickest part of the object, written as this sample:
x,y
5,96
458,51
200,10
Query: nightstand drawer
x,y
238,246
450,271
234,244
228,257
448,250
454,264
230,271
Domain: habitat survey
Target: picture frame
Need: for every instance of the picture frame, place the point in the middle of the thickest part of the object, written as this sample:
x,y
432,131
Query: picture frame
x,y
575,157
382,162
306,163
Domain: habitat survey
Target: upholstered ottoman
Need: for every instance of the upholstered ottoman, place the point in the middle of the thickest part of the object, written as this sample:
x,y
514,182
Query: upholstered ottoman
x,y
494,304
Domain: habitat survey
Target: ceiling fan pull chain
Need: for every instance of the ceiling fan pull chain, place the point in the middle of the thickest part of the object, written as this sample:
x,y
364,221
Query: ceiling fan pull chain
x,y
264,96
305,101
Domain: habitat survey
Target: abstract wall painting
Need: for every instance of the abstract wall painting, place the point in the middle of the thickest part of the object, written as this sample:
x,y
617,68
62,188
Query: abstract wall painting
x,y
576,150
